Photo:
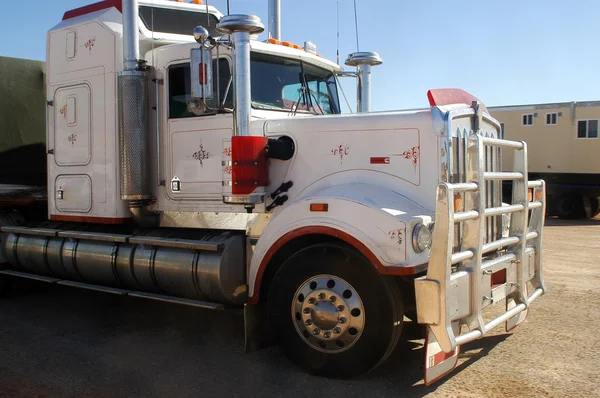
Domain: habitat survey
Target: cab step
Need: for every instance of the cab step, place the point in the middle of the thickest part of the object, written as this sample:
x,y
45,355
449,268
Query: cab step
x,y
121,292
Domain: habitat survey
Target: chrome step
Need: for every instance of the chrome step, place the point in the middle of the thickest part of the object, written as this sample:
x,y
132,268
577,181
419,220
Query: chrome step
x,y
121,292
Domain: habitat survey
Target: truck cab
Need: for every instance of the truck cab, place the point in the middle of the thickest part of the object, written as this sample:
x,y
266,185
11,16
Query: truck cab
x,y
216,170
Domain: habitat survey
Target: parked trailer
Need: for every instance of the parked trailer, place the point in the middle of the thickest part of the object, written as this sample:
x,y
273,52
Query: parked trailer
x,y
216,170
564,147
22,122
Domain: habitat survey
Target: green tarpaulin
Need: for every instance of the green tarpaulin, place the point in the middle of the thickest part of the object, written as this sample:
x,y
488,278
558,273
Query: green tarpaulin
x,y
22,121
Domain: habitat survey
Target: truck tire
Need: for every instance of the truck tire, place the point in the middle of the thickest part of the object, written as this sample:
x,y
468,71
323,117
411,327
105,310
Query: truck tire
x,y
332,314
569,206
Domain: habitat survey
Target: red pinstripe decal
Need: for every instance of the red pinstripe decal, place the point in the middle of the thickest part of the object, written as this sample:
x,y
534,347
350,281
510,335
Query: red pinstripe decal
x,y
94,220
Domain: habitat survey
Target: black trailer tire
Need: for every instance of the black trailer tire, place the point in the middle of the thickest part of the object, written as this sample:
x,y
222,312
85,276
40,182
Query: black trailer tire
x,y
304,321
4,285
595,205
569,206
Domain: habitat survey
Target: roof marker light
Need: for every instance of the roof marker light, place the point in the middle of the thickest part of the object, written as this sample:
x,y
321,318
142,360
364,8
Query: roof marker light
x,y
310,47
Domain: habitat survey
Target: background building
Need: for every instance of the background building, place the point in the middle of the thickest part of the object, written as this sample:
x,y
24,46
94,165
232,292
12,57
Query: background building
x,y
564,150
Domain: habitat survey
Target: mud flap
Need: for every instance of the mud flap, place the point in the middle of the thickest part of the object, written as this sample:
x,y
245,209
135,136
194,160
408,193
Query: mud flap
x,y
257,328
517,319
437,362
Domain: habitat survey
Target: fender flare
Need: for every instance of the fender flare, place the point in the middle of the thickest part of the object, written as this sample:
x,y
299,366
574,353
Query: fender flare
x,y
382,239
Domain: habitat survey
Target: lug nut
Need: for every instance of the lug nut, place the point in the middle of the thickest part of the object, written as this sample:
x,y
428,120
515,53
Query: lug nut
x,y
321,296
337,330
340,308
316,332
306,310
342,320
327,335
332,299
312,300
308,322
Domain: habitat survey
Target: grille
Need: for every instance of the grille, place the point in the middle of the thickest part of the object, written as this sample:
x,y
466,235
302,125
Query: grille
x,y
493,189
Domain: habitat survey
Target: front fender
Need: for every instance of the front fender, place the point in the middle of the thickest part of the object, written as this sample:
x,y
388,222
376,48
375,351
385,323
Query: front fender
x,y
376,221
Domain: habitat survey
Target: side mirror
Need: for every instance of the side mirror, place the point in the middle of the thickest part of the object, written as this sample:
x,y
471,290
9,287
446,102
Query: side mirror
x,y
201,73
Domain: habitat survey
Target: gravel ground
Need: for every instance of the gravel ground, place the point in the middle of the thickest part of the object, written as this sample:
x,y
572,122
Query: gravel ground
x,y
63,342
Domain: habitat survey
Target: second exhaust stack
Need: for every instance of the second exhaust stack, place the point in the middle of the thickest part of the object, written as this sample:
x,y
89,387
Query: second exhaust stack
x,y
363,62
275,19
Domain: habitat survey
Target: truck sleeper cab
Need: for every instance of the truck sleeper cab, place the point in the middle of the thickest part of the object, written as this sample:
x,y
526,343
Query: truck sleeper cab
x,y
223,175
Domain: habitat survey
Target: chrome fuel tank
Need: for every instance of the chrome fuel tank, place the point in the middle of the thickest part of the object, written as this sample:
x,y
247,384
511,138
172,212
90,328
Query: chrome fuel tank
x,y
208,268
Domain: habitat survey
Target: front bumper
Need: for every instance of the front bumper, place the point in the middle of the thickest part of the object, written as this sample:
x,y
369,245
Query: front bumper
x,y
461,282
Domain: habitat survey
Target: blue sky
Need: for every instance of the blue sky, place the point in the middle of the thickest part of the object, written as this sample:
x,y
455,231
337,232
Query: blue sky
x,y
504,52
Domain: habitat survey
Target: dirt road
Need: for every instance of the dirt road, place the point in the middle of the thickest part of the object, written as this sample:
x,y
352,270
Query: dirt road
x,y
62,342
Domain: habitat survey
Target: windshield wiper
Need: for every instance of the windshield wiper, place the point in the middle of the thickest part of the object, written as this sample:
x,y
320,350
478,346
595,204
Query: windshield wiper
x,y
266,106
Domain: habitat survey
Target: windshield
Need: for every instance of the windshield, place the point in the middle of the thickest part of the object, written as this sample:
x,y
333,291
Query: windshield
x,y
293,86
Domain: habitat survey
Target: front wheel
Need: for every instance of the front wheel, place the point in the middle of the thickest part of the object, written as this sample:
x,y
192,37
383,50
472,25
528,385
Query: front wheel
x,y
332,314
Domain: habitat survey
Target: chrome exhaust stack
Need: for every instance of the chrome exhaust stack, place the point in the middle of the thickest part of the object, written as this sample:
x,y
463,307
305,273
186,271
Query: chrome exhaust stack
x,y
240,27
275,19
363,61
245,164
133,113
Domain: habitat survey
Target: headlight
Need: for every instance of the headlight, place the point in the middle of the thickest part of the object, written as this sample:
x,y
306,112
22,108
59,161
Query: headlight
x,y
421,238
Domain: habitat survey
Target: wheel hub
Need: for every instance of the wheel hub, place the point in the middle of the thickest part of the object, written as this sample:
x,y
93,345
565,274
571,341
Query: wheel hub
x,y
328,313
324,315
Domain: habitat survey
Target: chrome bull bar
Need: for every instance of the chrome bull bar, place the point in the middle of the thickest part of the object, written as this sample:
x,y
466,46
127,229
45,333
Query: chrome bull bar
x,y
459,285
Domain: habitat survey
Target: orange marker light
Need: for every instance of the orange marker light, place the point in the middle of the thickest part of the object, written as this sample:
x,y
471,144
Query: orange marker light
x,y
539,195
274,41
319,207
458,203
198,2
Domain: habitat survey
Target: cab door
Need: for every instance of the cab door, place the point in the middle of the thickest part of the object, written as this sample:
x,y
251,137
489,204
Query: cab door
x,y
193,168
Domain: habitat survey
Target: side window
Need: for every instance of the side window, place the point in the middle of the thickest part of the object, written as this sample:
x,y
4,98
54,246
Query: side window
x,y
180,88
587,128
551,118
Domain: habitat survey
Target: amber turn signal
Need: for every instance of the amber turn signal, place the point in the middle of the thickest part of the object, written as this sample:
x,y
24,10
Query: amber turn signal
x,y
319,207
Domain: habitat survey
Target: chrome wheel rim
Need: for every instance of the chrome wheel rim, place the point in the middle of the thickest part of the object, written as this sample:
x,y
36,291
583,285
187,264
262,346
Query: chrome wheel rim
x,y
328,314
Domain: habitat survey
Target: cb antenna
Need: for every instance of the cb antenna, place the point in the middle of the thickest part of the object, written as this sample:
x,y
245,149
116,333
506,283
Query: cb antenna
x,y
207,16
338,30
356,25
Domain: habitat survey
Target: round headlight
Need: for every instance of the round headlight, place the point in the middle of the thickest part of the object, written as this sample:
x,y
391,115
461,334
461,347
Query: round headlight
x,y
421,238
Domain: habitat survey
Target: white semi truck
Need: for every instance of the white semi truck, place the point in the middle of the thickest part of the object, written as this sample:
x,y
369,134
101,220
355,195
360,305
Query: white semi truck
x,y
189,162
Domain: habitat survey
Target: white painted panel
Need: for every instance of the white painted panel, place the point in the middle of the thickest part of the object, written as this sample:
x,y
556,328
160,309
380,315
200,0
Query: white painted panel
x,y
72,128
76,193
194,157
71,45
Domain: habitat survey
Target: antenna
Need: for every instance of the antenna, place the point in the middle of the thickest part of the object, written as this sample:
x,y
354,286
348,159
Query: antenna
x,y
228,7
152,34
338,30
356,25
207,16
